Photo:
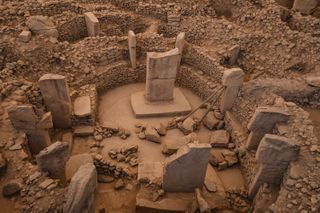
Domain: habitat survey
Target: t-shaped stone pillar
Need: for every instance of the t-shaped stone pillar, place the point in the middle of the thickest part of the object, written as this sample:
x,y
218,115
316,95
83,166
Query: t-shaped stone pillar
x,y
161,74
55,92
185,171
132,42
232,80
25,118
262,122
274,155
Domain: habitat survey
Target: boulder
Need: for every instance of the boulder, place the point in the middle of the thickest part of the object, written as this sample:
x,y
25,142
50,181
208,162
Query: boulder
x,y
42,25
11,188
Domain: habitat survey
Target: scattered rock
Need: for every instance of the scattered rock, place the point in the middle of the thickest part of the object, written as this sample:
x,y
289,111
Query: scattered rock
x,y
152,135
210,121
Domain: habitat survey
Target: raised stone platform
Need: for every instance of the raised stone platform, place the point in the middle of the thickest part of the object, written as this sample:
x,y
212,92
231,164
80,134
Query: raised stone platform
x,y
143,109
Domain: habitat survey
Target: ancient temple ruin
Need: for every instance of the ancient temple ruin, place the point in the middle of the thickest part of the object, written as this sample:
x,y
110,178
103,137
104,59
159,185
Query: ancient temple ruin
x,y
159,106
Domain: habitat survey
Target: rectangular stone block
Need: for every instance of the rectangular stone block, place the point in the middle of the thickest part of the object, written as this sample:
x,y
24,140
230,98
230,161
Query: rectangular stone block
x,y
132,42
159,90
82,106
163,65
185,171
93,26
55,92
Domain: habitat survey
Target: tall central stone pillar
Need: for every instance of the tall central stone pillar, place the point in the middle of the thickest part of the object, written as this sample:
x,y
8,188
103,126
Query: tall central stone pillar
x,y
161,98
161,74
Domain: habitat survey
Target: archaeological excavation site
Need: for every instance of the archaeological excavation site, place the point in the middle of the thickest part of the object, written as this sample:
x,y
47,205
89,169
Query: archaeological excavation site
x,y
151,106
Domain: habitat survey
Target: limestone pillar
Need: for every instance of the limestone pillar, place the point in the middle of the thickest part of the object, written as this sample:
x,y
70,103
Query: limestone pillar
x,y
262,122
232,80
161,74
93,26
55,92
274,155
25,118
53,159
180,41
185,171
132,42
81,190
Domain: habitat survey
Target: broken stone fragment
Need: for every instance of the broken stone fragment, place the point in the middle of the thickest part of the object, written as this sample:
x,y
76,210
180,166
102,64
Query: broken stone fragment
x,y
161,129
11,188
152,135
119,184
230,157
220,139
203,204
210,121
187,126
42,25
25,36
83,131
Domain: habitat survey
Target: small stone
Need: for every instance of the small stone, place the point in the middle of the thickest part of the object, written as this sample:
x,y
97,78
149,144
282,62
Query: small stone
x,y
161,129
155,196
11,188
25,36
142,136
98,137
3,165
119,184
46,183
210,121
105,179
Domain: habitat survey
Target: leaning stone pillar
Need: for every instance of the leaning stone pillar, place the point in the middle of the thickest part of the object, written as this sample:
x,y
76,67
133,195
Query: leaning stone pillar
x,y
81,190
161,75
185,171
232,80
55,92
25,118
274,155
132,42
262,122
53,159
92,23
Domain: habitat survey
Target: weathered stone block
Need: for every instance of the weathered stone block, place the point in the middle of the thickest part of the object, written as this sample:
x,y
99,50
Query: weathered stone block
x,y
53,159
233,77
159,90
163,65
132,42
81,191
185,171
305,6
82,106
220,138
55,92
93,26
